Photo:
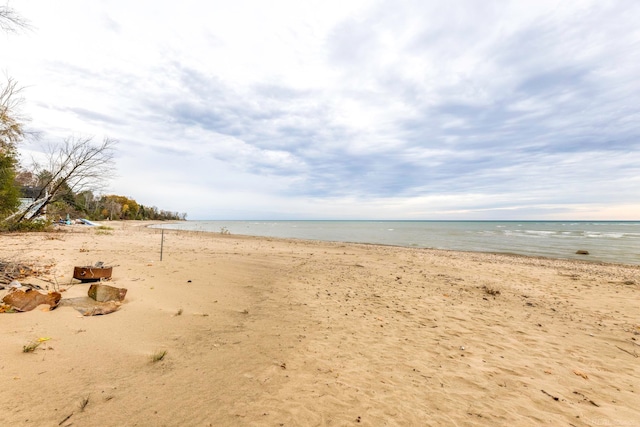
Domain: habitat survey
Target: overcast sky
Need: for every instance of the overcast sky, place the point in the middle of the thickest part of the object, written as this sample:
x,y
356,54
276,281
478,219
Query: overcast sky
x,y
349,109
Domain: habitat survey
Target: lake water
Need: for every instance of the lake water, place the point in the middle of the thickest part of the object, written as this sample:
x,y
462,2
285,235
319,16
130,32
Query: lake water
x,y
608,241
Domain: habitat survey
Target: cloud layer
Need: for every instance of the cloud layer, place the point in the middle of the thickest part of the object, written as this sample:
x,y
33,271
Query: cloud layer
x,y
396,110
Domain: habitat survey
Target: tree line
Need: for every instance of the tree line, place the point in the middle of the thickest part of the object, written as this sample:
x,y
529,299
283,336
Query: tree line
x,y
111,207
86,204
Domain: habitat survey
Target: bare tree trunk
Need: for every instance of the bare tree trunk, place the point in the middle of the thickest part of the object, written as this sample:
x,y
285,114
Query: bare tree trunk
x,y
77,165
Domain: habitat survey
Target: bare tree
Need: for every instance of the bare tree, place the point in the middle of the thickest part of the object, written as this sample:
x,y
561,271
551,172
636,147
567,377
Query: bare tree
x,y
11,21
76,165
11,123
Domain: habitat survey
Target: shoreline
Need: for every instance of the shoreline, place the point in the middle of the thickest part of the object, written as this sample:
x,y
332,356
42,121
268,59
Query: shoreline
x,y
418,248
561,240
269,331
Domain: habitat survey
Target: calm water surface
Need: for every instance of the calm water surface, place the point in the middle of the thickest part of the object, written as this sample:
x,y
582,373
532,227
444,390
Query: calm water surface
x,y
609,241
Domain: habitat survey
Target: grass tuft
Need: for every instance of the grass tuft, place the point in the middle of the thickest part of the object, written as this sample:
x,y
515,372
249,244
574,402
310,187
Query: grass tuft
x,y
158,356
491,290
83,403
31,347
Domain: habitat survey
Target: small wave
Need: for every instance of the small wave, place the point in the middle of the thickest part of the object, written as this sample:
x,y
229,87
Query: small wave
x,y
604,235
539,232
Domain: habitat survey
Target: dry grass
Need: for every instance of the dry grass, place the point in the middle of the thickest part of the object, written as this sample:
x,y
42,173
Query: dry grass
x,y
16,270
158,356
491,290
31,347
83,403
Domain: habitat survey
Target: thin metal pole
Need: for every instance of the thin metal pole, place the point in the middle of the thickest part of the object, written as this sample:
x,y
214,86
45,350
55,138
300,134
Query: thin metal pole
x,y
161,244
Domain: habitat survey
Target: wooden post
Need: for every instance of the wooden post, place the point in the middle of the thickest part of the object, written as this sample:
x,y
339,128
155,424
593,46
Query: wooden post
x,y
161,244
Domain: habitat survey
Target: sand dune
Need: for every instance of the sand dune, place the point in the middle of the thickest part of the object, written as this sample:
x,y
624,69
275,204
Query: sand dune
x,y
269,332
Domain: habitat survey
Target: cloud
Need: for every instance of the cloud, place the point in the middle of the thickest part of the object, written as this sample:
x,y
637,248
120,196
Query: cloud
x,y
371,109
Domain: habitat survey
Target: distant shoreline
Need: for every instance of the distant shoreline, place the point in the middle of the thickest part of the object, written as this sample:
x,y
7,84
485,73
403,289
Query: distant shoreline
x,y
610,242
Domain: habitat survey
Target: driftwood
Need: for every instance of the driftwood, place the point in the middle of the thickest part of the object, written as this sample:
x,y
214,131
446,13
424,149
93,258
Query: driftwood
x,y
10,271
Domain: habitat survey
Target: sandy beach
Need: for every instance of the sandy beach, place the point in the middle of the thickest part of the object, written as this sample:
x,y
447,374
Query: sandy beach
x,y
273,332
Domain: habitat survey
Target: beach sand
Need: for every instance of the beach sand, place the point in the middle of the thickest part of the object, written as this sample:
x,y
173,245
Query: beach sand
x,y
273,332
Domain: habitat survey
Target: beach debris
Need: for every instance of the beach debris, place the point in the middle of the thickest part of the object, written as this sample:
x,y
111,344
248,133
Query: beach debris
x,y
634,354
581,374
65,419
90,307
586,398
17,285
101,299
84,221
101,308
551,396
489,290
5,308
93,273
582,252
27,300
105,293
83,403
13,271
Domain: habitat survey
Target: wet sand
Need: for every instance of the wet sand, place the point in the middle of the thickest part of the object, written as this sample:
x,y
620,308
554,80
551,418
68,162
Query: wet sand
x,y
271,332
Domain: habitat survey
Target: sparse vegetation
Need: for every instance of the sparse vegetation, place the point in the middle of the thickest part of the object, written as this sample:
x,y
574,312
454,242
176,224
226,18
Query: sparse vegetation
x,y
31,347
158,356
83,403
491,290
40,225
